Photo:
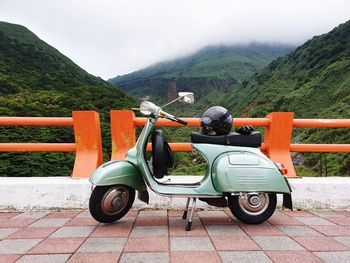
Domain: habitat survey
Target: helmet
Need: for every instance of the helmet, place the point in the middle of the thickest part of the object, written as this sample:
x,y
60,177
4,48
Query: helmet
x,y
216,121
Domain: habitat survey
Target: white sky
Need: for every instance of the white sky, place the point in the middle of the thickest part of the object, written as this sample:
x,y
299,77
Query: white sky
x,y
113,37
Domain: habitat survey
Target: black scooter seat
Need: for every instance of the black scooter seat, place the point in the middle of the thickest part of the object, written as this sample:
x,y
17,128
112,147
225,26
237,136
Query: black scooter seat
x,y
233,139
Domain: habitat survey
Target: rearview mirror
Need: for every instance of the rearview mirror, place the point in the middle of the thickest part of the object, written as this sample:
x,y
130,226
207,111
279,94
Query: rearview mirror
x,y
186,97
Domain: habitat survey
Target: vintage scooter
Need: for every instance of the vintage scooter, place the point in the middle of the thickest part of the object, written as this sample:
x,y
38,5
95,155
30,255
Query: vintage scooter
x,y
238,174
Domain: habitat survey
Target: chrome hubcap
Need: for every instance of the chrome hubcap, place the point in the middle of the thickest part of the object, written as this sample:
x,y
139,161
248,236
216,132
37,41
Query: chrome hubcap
x,y
114,200
254,204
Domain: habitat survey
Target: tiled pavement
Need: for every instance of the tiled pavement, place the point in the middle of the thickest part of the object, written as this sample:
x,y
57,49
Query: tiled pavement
x,y
159,236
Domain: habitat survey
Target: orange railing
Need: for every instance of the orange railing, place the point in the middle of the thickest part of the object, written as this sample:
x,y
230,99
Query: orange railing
x,y
277,135
88,146
88,143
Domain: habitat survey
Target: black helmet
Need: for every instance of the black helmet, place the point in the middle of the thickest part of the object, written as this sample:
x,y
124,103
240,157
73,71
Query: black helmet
x,y
216,121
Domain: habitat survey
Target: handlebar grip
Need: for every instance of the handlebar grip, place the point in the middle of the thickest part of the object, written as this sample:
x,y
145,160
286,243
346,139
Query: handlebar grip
x,y
183,122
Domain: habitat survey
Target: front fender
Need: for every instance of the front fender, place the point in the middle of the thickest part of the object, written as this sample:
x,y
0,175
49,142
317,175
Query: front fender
x,y
118,172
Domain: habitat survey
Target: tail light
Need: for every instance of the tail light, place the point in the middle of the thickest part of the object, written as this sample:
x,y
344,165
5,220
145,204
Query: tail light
x,y
282,169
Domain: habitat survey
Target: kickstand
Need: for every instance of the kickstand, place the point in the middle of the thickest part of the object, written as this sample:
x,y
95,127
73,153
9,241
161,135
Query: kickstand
x,y
184,216
189,223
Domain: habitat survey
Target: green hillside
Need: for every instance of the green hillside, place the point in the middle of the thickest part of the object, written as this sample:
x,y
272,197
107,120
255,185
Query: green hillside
x,y
37,80
212,69
314,82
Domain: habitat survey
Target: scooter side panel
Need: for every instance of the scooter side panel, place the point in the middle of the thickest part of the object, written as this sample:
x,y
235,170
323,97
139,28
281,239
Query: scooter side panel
x,y
118,172
244,171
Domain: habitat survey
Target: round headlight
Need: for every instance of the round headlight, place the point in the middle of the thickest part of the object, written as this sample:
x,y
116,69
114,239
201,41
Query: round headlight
x,y
145,108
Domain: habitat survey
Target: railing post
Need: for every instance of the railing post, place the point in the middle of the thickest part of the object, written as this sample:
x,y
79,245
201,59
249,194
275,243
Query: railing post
x,y
122,133
278,138
88,142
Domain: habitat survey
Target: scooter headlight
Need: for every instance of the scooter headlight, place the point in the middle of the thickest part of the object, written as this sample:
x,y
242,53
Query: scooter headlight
x,y
146,108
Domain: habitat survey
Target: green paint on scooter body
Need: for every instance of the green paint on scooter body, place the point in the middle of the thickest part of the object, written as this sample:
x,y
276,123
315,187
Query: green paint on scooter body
x,y
230,169
118,172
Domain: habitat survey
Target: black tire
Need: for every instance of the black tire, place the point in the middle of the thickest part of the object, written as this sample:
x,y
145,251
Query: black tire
x,y
244,209
110,203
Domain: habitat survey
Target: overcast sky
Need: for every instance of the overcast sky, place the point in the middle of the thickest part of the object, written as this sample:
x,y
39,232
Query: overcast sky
x,y
113,37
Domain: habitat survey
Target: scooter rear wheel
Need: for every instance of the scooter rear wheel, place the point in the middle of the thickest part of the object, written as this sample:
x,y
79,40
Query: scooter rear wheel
x,y
110,203
253,208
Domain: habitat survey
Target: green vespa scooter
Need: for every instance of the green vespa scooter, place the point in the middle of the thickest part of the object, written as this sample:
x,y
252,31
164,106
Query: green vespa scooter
x,y
238,174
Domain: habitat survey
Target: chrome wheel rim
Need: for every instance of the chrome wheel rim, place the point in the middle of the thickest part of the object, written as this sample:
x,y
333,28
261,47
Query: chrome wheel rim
x,y
115,200
254,204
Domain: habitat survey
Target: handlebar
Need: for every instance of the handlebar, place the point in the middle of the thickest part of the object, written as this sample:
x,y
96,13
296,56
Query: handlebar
x,y
172,118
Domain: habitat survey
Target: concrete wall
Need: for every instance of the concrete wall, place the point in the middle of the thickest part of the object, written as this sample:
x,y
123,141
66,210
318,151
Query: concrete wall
x,y
40,193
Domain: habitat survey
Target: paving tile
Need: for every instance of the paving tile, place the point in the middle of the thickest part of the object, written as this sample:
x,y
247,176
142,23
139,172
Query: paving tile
x,y
94,257
17,246
207,213
12,223
262,230
154,257
243,256
194,256
277,243
57,246
33,232
73,231
82,221
296,213
63,214
147,244
343,240
5,232
153,213
7,215
191,244
151,221
125,221
103,245
292,256
9,258
178,213
332,257
299,231
179,231
314,221
132,213
50,222
183,222
343,221
149,231
224,230
327,214
84,214
320,244
234,243
36,215
111,231
54,258
218,220
279,219
333,230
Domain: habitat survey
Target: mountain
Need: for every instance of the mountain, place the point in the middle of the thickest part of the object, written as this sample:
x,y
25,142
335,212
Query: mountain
x,y
212,69
314,82
37,80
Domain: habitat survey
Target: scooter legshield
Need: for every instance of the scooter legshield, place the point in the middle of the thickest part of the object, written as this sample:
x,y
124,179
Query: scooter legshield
x,y
118,172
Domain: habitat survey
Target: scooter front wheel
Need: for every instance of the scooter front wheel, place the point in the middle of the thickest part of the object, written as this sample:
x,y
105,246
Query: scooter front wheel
x,y
252,208
110,203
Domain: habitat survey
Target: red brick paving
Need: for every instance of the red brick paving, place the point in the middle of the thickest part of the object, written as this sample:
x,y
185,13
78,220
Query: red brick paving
x,y
94,257
139,246
194,256
147,244
34,232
